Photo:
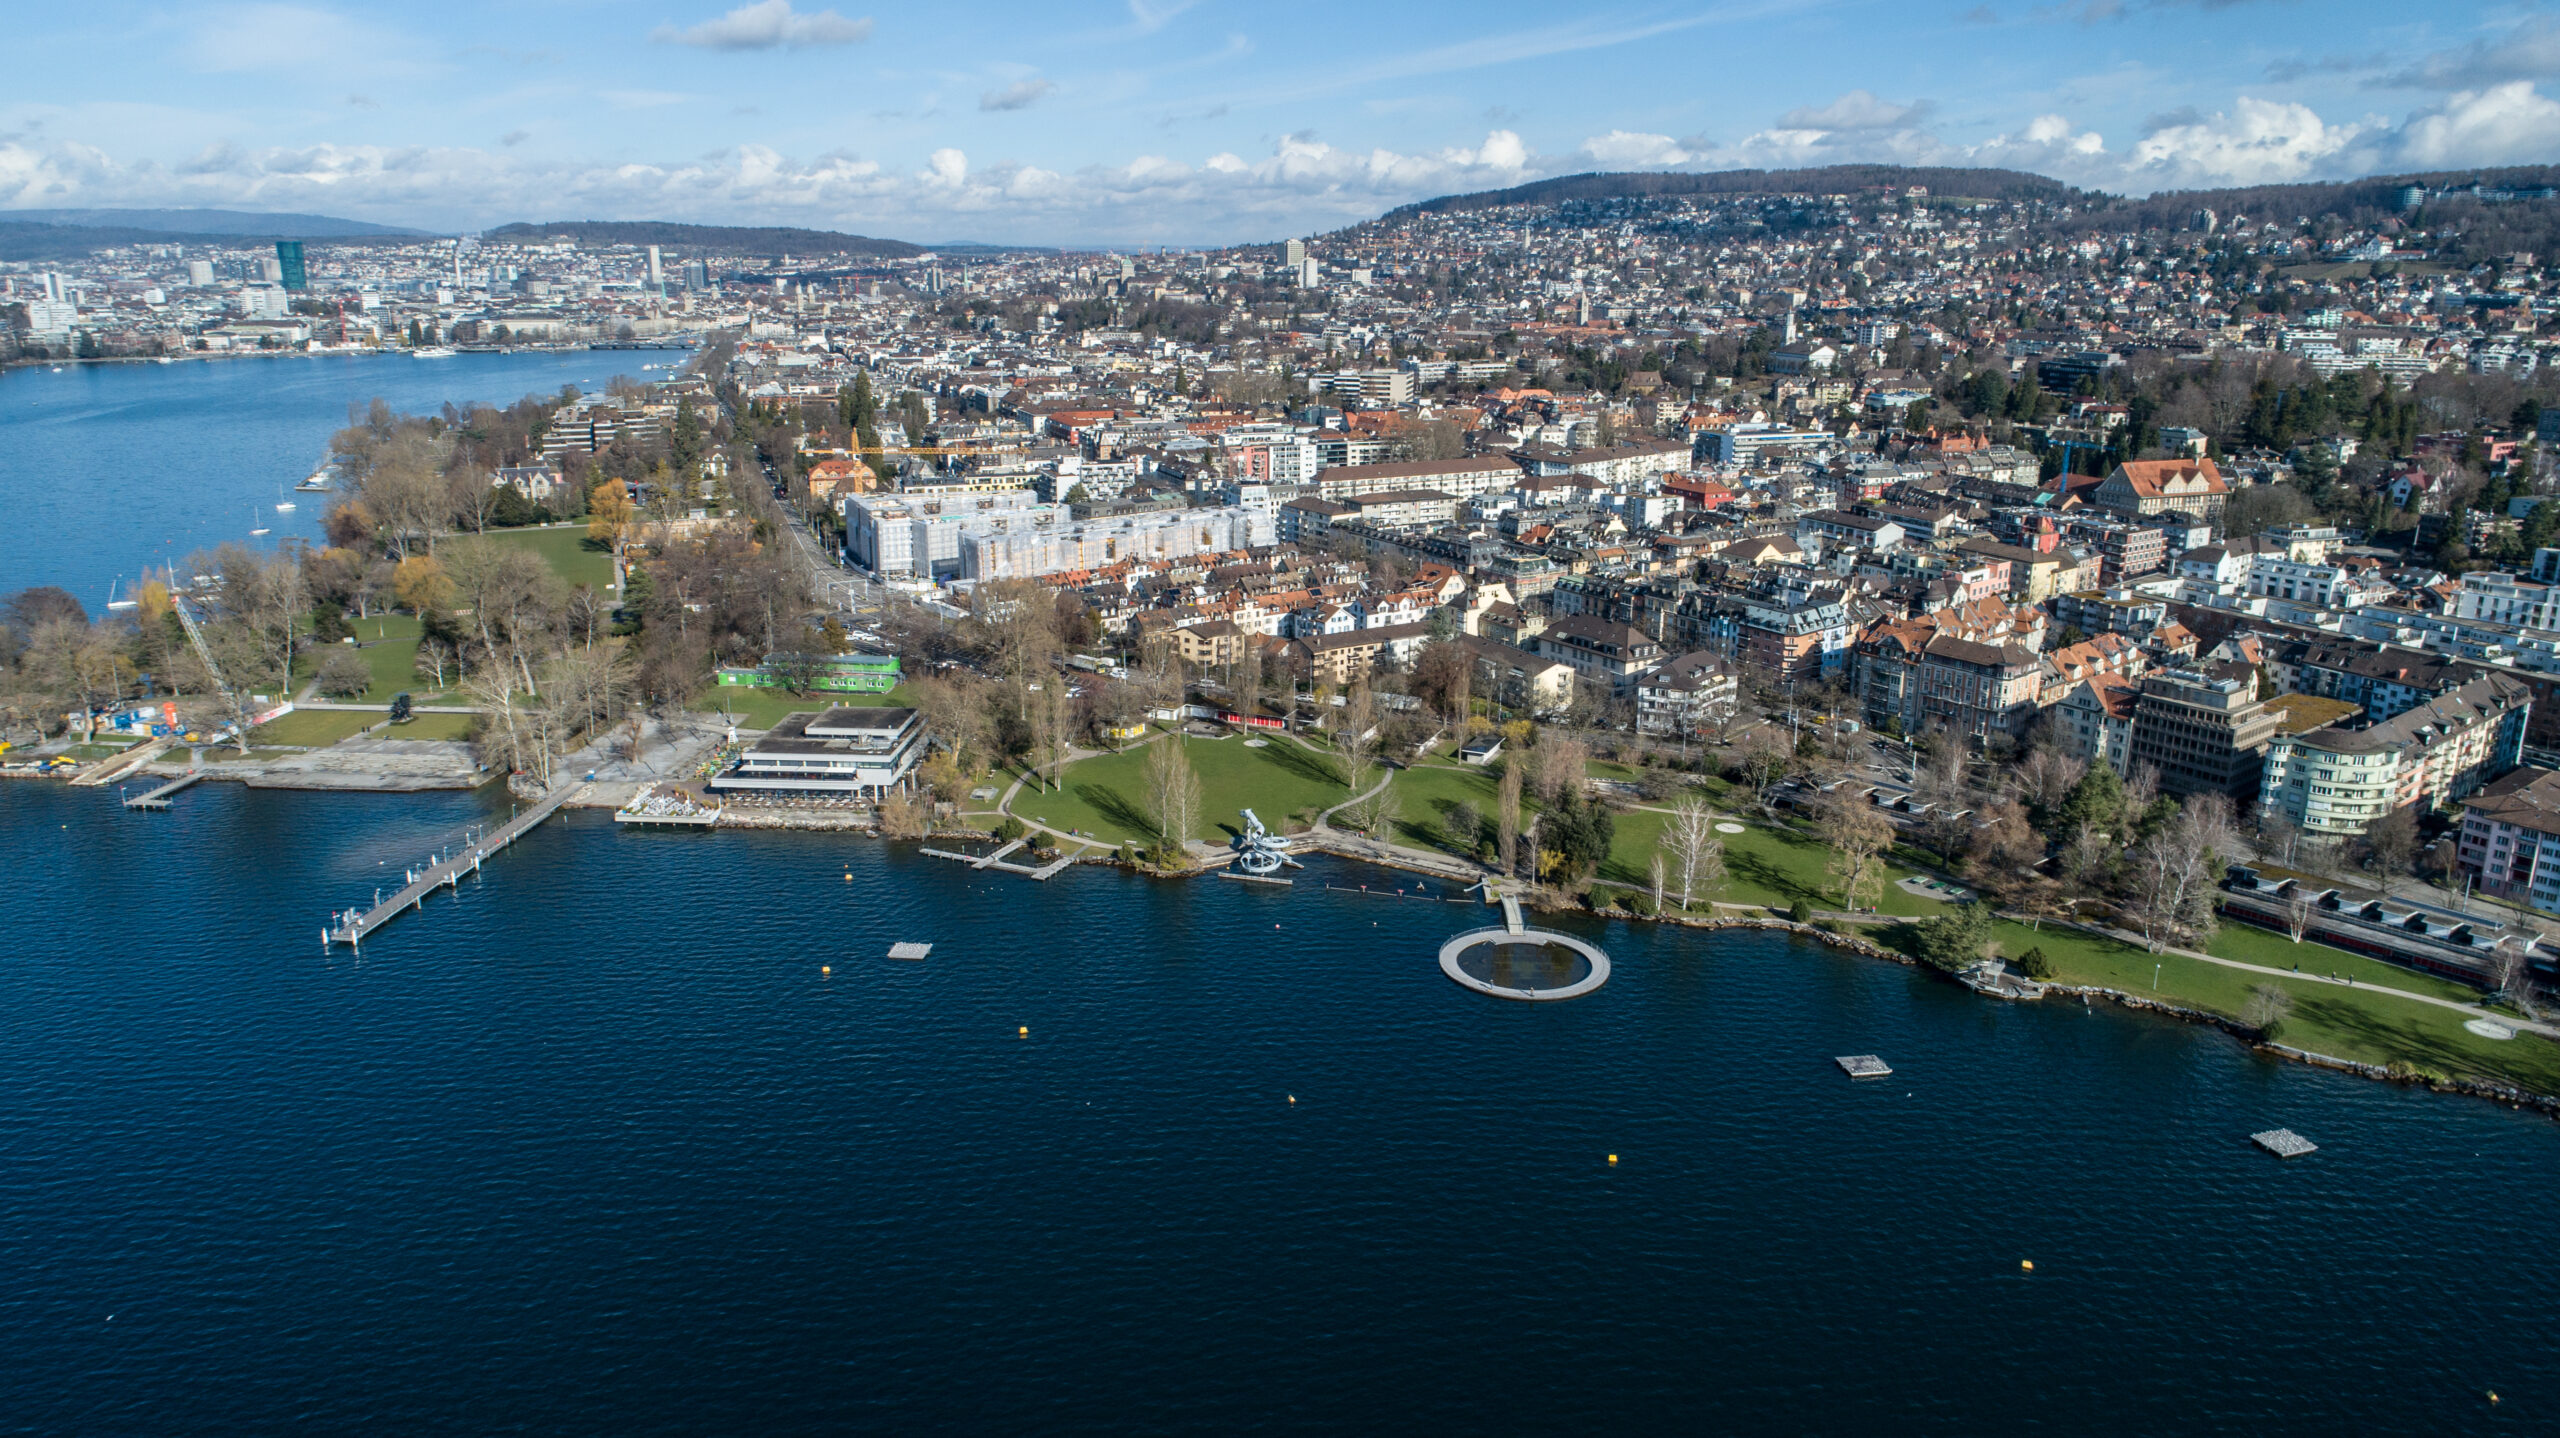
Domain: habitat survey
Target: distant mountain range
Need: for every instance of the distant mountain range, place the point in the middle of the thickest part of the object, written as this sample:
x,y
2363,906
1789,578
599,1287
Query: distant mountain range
x,y
210,222
727,239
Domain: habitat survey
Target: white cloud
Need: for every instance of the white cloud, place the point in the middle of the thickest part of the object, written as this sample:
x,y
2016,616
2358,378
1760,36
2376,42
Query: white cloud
x,y
1154,15
1630,150
770,25
1857,110
2255,142
1300,183
2510,124
1020,95
233,39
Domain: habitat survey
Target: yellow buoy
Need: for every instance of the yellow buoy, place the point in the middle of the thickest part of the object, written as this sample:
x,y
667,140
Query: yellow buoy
x,y
1293,1098
2028,1264
1613,1158
848,878
2493,1395
1026,1031
826,968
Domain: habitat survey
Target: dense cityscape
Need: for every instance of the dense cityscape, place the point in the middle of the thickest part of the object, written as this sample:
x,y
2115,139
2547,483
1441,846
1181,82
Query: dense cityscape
x,y
1140,720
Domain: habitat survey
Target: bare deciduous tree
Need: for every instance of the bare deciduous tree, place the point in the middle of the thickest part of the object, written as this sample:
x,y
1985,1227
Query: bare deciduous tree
x,y
1697,855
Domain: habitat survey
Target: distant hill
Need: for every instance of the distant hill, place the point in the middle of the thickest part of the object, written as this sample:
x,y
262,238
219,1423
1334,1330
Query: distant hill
x,y
727,239
205,223
1827,180
2366,199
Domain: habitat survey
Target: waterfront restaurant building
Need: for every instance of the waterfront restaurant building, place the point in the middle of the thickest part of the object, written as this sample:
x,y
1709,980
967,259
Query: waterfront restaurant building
x,y
842,753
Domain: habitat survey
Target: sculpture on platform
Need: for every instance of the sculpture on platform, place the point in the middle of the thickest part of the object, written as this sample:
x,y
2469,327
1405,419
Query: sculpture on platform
x,y
1259,851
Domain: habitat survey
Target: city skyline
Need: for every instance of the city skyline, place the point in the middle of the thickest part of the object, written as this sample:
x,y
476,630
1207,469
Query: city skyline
x,y
1155,121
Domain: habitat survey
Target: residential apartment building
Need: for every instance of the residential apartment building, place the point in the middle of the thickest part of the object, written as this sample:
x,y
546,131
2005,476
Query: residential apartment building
x,y
1337,659
2096,720
2511,837
1511,675
2327,586
2501,598
1601,651
2335,781
1977,690
1686,694
1457,478
1404,508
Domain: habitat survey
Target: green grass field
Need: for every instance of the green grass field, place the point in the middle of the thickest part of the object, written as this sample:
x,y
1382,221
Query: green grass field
x,y
763,708
315,728
1762,866
1281,782
567,551
388,644
433,726
2329,1018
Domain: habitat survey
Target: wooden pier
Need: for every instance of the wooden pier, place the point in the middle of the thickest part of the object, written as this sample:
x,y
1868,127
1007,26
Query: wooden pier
x,y
351,927
996,860
158,799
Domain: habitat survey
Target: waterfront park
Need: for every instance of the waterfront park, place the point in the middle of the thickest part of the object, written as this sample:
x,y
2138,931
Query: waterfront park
x,y
1774,866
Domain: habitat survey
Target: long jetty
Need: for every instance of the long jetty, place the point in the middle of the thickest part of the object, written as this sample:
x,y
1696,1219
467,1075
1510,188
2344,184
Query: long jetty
x,y
352,926
159,798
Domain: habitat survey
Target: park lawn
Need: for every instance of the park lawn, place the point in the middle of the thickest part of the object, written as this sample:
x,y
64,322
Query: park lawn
x,y
2260,946
2327,1018
568,551
1106,796
752,708
316,728
1774,867
433,726
1426,793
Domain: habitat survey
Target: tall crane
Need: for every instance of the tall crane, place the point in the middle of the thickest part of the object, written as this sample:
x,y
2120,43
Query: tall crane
x,y
213,671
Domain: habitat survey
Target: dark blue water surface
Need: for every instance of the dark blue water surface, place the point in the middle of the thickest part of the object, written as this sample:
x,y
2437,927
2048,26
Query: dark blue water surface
x,y
111,468
595,1147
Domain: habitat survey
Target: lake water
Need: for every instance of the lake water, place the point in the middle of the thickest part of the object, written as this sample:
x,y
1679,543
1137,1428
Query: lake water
x,y
594,1146
107,469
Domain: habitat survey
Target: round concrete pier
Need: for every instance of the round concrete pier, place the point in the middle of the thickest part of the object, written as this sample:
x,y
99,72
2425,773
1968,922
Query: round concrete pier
x,y
1450,951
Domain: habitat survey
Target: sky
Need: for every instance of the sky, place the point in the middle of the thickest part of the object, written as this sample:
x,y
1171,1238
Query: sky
x,y
1142,122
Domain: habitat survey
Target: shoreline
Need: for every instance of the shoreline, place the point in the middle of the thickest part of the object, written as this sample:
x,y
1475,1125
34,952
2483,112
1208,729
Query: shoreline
x,y
785,819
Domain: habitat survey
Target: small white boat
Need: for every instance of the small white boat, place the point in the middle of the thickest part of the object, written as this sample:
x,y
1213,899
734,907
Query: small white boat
x,y
253,534
432,352
114,603
283,505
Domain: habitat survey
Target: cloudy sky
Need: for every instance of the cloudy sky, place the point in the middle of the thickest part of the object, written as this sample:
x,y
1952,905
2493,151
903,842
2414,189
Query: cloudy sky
x,y
1207,121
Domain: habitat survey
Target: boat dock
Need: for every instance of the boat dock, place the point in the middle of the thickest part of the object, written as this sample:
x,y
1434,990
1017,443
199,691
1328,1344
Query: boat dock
x,y
996,859
1863,1066
351,926
158,799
